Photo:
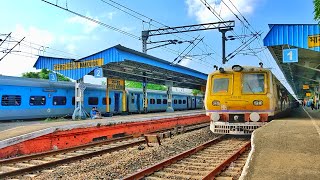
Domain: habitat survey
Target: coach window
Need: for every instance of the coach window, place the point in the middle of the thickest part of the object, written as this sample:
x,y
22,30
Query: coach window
x,y
184,102
59,100
152,101
158,101
164,101
37,101
180,101
175,101
93,100
11,100
104,101
253,83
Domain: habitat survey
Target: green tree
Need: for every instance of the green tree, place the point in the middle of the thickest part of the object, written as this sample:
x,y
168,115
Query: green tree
x,y
134,84
316,11
196,92
43,74
31,75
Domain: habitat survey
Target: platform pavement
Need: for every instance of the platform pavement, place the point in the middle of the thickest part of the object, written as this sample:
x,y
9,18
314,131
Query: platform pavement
x,y
286,148
22,133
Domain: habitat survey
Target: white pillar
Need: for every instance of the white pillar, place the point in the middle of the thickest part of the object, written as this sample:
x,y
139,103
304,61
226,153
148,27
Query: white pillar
x,y
169,97
79,112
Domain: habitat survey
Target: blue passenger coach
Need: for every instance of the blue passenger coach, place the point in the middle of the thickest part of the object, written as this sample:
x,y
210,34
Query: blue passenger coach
x,y
26,98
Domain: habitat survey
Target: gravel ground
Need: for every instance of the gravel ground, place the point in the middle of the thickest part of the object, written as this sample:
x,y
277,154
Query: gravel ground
x,y
119,164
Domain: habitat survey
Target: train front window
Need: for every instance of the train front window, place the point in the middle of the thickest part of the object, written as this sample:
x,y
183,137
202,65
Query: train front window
x,y
253,83
220,85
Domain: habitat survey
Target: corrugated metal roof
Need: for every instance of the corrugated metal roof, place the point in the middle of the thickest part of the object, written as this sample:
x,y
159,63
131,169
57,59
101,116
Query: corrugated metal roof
x,y
291,34
296,36
108,55
116,55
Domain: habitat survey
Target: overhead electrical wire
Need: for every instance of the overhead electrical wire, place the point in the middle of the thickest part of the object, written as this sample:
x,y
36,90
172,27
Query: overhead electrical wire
x,y
252,30
114,28
149,20
189,51
95,21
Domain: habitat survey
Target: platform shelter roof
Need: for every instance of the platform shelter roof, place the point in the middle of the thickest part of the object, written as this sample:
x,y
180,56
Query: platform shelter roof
x,y
122,62
306,39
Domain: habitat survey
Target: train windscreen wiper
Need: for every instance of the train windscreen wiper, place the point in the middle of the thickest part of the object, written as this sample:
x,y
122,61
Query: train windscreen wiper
x,y
250,88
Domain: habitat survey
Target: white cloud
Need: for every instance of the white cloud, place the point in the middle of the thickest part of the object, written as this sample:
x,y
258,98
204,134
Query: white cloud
x,y
128,29
88,26
110,15
63,39
203,15
186,61
14,64
71,48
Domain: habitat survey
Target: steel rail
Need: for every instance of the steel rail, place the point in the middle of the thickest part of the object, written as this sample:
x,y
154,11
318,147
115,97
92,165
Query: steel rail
x,y
43,154
69,159
104,142
227,162
82,156
167,162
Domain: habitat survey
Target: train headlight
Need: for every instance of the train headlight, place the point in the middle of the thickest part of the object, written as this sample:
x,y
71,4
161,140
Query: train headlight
x,y
258,102
216,103
214,116
237,68
255,117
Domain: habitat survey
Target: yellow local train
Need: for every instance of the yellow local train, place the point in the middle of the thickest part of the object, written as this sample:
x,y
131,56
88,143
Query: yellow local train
x,y
242,99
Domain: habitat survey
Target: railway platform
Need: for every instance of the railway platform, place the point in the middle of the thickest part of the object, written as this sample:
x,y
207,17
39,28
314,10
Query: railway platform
x,y
286,149
58,135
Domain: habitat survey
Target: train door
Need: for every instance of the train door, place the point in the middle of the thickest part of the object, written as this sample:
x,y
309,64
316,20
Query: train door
x,y
193,103
188,103
116,102
138,102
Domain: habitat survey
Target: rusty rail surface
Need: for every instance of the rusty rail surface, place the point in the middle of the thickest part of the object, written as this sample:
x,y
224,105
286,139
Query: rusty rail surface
x,y
78,157
227,162
66,160
39,155
167,162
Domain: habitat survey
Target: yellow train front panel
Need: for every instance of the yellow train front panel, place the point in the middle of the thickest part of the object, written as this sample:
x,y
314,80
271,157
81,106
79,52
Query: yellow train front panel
x,y
239,99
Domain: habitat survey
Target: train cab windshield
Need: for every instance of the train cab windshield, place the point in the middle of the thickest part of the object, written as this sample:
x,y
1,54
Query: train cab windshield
x,y
220,85
253,83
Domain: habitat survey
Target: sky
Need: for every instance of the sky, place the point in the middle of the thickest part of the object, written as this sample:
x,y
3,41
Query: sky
x,y
51,31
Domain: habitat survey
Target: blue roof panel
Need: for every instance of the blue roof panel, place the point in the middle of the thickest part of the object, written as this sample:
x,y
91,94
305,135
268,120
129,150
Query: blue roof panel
x,y
106,56
72,69
291,34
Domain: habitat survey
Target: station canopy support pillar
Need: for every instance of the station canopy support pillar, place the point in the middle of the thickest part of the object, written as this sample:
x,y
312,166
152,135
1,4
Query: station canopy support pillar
x,y
108,114
79,112
124,99
144,89
169,97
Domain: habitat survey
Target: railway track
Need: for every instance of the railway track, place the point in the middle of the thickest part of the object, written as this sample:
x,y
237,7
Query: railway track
x,y
203,162
43,161
233,171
